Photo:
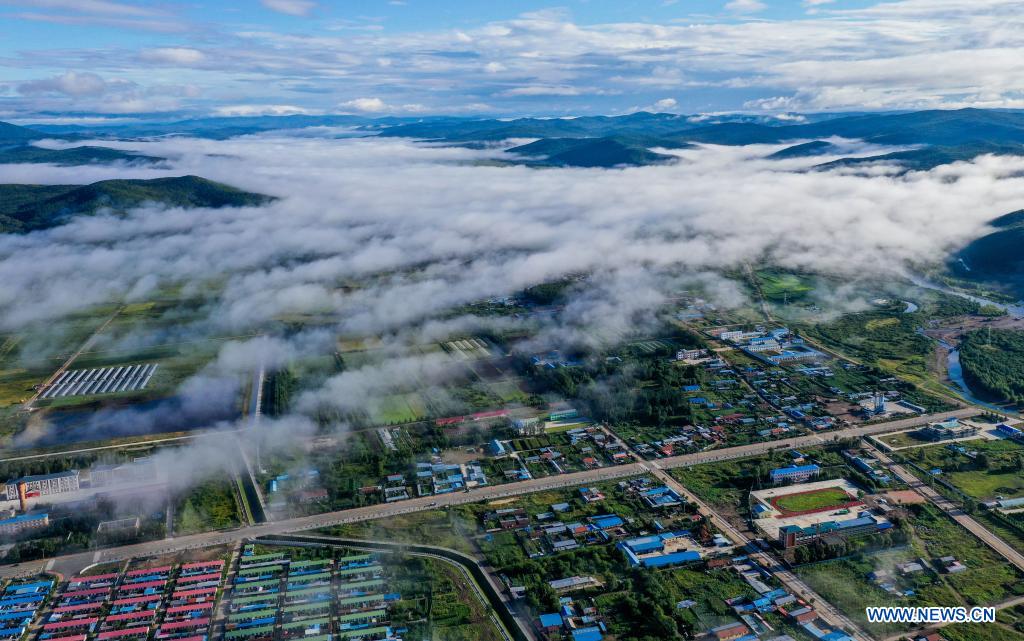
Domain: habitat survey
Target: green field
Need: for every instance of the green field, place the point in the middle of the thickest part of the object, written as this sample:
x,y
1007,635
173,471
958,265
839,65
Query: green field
x,y
813,500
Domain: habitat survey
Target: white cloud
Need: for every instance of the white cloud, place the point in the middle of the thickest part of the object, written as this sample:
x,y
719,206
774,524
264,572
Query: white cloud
x,y
72,83
665,104
378,106
173,55
261,110
290,7
745,6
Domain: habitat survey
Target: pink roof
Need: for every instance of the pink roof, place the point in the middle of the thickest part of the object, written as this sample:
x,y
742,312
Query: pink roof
x,y
197,592
190,608
203,564
196,638
112,634
139,599
141,586
98,577
196,578
85,592
191,623
70,624
131,615
80,607
74,637
163,568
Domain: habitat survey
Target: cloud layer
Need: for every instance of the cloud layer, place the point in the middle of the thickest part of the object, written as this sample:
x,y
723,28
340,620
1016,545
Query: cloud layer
x,y
902,54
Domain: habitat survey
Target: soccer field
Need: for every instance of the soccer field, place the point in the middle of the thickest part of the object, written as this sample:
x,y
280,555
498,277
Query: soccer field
x,y
812,501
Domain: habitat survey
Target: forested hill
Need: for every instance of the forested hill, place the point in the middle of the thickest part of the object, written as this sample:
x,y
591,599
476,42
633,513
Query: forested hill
x,y
993,363
25,208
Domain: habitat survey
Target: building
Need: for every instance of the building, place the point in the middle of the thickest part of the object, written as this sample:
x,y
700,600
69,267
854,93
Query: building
x,y
659,550
794,473
22,522
794,535
948,429
573,583
730,631
763,344
43,485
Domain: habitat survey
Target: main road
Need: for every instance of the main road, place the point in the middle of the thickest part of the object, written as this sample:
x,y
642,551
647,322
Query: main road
x,y
74,562
954,511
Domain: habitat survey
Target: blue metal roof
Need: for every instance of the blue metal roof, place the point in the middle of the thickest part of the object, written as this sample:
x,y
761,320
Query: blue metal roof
x,y
587,634
550,620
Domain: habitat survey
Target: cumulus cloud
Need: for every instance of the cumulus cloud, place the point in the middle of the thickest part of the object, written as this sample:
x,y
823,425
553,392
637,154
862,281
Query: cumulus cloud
x,y
71,83
377,106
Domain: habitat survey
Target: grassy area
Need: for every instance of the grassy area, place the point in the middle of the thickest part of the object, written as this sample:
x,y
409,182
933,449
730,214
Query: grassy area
x,y
208,506
813,500
995,469
844,582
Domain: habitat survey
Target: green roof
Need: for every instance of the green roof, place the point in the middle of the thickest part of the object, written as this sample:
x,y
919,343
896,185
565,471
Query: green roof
x,y
249,632
308,606
273,556
306,564
365,568
261,568
253,614
256,584
358,616
305,591
255,597
361,632
360,599
310,577
369,583
355,557
306,624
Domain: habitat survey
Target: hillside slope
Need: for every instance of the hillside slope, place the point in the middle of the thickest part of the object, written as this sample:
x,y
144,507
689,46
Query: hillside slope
x,y
26,208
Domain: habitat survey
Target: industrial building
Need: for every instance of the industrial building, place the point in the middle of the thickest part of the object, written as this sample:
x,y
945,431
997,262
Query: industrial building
x,y
951,428
42,485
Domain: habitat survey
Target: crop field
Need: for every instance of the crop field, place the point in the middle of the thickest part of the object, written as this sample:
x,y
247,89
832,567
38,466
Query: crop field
x,y
812,501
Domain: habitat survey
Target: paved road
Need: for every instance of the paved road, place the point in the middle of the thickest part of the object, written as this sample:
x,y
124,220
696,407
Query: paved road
x,y
73,562
808,440
793,583
952,509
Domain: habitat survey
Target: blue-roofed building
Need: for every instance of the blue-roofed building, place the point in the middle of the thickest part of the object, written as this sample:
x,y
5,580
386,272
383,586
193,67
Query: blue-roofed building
x,y
691,388
865,523
650,551
23,522
606,521
592,633
794,473
497,448
551,621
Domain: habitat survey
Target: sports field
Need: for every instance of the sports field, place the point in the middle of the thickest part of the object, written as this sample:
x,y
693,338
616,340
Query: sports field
x,y
812,501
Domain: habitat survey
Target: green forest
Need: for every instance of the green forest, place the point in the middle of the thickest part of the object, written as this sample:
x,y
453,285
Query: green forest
x,y
993,363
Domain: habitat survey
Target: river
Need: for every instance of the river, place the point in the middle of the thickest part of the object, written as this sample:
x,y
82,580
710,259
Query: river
x,y
953,367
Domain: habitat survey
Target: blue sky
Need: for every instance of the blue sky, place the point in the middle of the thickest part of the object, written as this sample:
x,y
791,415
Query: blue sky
x,y
529,57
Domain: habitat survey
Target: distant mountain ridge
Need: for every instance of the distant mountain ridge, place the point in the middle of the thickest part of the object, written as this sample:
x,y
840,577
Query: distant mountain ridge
x,y
25,208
